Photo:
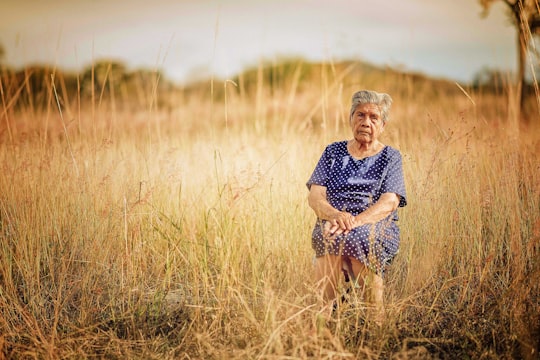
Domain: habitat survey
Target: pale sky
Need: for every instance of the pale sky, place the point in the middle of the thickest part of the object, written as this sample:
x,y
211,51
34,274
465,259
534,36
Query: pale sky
x,y
442,38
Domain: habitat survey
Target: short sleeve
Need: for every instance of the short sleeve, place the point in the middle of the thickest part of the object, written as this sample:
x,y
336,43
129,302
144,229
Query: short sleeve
x,y
394,182
321,173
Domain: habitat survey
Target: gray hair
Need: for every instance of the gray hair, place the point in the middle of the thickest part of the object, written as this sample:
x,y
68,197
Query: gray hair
x,y
362,97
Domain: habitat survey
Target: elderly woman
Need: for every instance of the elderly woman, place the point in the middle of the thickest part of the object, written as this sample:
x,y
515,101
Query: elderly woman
x,y
355,191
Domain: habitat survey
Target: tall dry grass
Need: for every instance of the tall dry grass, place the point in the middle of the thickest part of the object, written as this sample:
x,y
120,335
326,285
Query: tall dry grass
x,y
183,231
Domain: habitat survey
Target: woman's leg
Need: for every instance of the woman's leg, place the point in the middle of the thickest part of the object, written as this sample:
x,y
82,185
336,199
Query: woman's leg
x,y
377,296
360,273
327,273
372,285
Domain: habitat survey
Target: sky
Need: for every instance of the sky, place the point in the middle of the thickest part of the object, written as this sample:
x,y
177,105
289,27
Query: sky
x,y
186,39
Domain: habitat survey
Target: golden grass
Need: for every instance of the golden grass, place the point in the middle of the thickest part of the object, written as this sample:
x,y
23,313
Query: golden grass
x,y
184,232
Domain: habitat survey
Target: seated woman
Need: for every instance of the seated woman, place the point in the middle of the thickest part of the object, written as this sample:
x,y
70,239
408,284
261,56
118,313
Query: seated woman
x,y
355,191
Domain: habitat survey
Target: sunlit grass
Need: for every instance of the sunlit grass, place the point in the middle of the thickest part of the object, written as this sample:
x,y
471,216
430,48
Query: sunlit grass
x,y
183,231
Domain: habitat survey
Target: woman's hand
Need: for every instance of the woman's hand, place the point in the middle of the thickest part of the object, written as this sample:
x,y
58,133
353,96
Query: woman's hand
x,y
337,222
340,223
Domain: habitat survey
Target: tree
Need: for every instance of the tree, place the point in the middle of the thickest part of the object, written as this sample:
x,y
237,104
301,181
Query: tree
x,y
490,79
525,16
102,76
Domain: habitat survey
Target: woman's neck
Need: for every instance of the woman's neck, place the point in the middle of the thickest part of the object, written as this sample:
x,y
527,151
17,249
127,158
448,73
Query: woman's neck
x,y
362,149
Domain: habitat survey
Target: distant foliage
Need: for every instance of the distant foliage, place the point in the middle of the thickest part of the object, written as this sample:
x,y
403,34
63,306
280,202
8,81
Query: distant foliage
x,y
103,76
492,79
105,80
31,87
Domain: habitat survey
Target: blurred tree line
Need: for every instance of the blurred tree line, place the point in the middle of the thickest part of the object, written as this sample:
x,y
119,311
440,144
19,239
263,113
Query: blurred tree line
x,y
105,80
111,81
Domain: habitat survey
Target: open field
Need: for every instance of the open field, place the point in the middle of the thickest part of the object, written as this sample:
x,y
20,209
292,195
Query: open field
x,y
181,230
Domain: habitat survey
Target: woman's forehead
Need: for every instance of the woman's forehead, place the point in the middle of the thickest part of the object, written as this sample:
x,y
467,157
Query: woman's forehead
x,y
368,108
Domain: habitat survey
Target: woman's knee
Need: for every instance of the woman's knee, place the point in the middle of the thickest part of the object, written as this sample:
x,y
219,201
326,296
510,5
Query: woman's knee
x,y
359,269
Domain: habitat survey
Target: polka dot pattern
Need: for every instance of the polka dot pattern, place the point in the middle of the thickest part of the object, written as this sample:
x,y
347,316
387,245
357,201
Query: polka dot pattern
x,y
353,185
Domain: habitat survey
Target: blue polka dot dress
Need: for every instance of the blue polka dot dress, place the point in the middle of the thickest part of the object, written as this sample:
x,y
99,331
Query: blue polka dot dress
x,y
354,185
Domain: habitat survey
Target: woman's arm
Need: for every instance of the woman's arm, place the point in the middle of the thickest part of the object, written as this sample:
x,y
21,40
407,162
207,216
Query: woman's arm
x,y
324,210
387,203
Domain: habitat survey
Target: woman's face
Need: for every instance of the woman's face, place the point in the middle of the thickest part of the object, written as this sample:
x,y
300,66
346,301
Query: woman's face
x,y
367,123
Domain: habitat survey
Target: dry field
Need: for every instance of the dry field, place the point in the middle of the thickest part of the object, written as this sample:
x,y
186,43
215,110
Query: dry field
x,y
180,229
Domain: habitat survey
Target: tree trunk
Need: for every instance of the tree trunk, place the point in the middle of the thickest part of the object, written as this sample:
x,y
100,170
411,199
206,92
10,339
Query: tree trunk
x,y
522,25
522,59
